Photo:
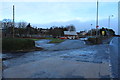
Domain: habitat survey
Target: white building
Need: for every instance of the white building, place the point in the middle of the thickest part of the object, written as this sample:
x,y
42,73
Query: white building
x,y
70,34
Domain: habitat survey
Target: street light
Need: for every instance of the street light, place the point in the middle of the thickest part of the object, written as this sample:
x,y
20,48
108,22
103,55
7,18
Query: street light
x,y
91,29
109,21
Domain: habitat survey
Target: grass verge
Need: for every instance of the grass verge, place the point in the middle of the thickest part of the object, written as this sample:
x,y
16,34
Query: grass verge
x,y
56,40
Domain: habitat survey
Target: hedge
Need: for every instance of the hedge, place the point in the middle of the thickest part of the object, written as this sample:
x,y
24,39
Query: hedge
x,y
13,44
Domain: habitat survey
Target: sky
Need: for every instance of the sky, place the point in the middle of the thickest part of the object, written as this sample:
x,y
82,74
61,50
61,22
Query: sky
x,y
61,12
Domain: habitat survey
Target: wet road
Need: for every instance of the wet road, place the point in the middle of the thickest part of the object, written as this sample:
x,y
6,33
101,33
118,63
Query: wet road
x,y
71,56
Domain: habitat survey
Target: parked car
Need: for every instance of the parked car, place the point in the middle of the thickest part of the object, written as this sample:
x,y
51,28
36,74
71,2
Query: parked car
x,y
63,38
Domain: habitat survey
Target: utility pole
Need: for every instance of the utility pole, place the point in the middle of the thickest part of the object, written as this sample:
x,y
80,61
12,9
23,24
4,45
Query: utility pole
x,y
109,22
13,21
97,20
91,29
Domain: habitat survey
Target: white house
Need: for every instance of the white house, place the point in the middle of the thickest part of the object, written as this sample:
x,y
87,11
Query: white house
x,y
70,34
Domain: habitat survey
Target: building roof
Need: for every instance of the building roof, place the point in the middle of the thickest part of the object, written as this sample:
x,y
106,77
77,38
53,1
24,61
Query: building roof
x,y
70,33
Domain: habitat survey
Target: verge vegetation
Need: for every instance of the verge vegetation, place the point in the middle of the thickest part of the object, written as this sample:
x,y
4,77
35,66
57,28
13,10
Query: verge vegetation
x,y
56,40
17,45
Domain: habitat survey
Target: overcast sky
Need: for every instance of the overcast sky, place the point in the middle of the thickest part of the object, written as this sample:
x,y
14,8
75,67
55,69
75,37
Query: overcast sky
x,y
47,12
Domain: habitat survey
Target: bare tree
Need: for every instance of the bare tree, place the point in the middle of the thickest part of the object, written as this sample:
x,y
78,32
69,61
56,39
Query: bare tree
x,y
6,25
22,24
71,28
21,28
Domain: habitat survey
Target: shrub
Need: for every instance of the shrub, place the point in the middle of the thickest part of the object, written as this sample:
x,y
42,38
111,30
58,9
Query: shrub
x,y
95,40
12,44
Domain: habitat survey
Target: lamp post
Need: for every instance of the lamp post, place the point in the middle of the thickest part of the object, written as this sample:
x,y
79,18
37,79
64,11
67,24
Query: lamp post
x,y
109,20
109,17
91,29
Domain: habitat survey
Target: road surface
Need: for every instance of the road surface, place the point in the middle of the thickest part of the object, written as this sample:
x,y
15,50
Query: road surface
x,y
69,59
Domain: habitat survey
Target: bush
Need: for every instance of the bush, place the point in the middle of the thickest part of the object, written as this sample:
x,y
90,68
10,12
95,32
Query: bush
x,y
13,44
95,40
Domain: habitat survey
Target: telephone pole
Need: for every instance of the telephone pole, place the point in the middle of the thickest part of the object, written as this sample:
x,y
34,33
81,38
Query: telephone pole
x,y
13,20
91,29
109,18
97,20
